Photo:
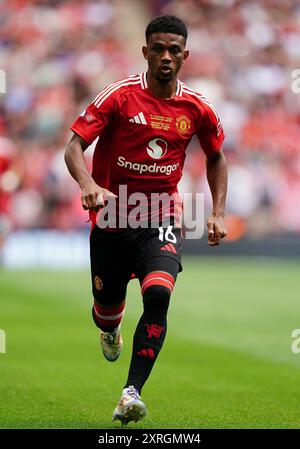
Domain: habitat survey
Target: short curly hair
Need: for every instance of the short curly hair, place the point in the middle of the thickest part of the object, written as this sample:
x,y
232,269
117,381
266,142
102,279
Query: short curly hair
x,y
166,24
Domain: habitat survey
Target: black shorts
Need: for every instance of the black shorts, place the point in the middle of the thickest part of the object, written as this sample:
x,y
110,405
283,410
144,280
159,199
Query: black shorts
x,y
118,256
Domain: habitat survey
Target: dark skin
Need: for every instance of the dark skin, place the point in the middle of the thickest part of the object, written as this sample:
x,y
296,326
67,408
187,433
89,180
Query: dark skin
x,y
165,54
92,195
216,171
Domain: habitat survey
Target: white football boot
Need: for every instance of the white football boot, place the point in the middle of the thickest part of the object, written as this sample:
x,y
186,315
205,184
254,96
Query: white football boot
x,y
111,343
130,407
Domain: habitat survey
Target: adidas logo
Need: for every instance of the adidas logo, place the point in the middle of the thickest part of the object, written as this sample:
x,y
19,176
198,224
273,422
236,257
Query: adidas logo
x,y
139,118
147,353
169,247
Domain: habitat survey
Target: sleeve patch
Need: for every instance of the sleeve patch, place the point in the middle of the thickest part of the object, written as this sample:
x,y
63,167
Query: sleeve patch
x,y
87,116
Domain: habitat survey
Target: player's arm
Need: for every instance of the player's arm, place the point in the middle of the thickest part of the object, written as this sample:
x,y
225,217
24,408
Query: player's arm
x,y
92,194
211,136
216,169
86,128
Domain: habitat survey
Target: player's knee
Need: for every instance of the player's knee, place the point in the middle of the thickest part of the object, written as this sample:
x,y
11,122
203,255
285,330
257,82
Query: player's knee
x,y
156,299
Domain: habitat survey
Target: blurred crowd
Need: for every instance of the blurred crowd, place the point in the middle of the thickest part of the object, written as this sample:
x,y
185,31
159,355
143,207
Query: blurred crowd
x,y
57,55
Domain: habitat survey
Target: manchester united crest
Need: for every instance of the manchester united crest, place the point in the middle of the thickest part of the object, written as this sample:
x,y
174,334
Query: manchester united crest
x,y
183,124
98,283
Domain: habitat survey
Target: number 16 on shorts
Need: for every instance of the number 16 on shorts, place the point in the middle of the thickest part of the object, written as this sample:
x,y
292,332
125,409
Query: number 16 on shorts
x,y
167,234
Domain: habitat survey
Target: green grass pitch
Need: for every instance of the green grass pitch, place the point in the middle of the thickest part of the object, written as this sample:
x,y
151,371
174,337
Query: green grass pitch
x,y
226,363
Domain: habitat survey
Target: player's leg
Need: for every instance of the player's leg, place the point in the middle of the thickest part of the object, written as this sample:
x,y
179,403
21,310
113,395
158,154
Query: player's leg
x,y
157,277
110,276
108,318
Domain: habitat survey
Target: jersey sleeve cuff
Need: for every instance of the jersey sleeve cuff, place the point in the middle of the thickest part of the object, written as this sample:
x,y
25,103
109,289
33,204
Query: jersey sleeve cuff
x,y
82,134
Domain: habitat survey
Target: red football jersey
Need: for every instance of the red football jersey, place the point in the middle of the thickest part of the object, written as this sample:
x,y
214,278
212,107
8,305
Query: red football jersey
x,y
143,138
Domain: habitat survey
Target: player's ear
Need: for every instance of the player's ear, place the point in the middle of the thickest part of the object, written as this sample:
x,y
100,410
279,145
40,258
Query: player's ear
x,y
185,55
144,50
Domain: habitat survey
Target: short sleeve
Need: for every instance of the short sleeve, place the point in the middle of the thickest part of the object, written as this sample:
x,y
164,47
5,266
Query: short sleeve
x,y
91,123
210,133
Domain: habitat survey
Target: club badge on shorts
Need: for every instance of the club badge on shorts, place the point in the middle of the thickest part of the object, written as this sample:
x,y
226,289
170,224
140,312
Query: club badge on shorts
x,y
98,283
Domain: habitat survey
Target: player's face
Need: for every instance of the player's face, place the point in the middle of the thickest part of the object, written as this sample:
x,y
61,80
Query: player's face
x,y
165,54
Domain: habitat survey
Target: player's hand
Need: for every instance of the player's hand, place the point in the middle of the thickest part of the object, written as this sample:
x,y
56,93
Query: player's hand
x,y
93,196
216,229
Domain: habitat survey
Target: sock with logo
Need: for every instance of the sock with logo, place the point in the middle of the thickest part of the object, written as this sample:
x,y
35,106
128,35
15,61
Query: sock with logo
x,y
150,332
